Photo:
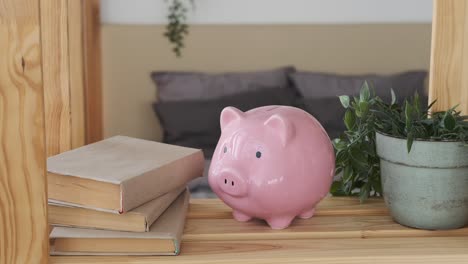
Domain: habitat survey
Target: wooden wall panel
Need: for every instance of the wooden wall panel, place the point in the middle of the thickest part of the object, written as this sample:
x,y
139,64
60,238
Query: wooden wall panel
x,y
76,60
93,80
23,210
54,34
449,58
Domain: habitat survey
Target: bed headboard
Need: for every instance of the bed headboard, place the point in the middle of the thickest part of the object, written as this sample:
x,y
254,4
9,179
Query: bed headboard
x,y
130,53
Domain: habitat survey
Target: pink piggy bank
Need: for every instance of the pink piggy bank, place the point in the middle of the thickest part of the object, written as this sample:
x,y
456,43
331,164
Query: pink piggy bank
x,y
272,163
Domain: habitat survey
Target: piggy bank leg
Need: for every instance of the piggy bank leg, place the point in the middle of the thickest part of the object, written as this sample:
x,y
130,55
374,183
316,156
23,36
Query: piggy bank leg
x,y
241,217
279,222
307,213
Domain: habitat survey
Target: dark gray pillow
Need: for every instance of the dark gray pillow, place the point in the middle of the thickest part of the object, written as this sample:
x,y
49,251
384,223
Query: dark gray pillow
x,y
195,123
320,85
179,86
330,113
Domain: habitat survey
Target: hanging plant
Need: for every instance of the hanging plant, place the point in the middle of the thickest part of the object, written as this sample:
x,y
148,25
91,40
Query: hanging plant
x,y
177,27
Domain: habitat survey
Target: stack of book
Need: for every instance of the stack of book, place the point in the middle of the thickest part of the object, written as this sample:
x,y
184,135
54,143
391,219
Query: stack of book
x,y
120,196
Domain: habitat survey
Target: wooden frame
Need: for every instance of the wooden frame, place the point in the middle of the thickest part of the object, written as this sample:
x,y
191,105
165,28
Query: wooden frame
x,y
449,58
38,66
56,75
23,192
92,61
46,72
73,98
71,59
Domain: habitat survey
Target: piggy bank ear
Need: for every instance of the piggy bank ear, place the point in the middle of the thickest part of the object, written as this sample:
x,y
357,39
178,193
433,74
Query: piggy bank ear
x,y
282,126
228,115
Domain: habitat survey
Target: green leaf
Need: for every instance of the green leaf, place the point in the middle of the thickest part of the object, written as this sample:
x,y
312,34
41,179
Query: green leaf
x,y
377,187
416,103
341,156
349,119
336,187
347,173
364,192
363,108
450,122
431,104
356,99
408,113
339,144
393,96
364,95
409,141
344,99
359,157
357,111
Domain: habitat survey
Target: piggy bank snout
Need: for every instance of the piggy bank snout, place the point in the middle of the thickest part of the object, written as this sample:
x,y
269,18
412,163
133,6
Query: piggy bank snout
x,y
232,183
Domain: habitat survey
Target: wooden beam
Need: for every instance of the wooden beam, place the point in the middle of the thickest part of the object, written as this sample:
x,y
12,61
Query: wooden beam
x,y
23,197
77,73
449,58
56,72
92,40
64,75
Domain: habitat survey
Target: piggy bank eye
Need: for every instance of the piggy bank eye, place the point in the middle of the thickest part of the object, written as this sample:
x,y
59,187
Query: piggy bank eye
x,y
258,154
225,149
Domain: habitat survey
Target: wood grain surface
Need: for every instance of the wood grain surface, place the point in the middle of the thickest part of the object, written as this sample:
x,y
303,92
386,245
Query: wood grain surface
x,y
93,79
77,73
56,78
23,210
342,231
449,60
214,209
336,217
64,75
331,251
319,227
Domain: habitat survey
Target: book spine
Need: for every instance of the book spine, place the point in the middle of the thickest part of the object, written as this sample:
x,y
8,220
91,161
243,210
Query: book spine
x,y
164,201
181,222
139,190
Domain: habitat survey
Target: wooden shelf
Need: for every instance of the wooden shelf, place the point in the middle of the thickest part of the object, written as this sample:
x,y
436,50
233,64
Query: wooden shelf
x,y
342,231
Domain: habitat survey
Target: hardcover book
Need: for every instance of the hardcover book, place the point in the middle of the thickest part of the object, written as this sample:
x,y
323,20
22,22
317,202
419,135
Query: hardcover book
x,y
163,237
120,173
135,220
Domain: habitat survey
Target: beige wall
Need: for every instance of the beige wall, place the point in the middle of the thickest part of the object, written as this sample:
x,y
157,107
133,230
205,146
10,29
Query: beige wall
x,y
130,53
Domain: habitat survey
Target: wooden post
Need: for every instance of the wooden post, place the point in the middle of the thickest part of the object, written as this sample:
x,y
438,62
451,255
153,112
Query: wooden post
x,y
23,196
449,59
63,61
92,38
72,84
55,53
77,73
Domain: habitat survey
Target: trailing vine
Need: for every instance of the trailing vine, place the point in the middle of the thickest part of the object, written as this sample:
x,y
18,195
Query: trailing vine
x,y
177,27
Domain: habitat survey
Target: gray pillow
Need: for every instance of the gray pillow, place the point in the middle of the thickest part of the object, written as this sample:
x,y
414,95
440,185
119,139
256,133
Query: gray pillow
x,y
195,123
178,86
320,85
320,93
329,112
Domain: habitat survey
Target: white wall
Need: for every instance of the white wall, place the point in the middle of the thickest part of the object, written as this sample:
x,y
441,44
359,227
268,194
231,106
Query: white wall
x,y
272,11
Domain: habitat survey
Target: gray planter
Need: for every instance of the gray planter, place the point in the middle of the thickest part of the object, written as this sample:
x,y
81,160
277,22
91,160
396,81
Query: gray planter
x,y
428,187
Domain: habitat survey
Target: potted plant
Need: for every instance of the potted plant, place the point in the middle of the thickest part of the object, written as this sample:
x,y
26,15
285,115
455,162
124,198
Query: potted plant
x,y
416,159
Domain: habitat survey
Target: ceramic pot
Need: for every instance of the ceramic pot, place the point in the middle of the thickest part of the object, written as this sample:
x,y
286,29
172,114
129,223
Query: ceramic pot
x,y
428,187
